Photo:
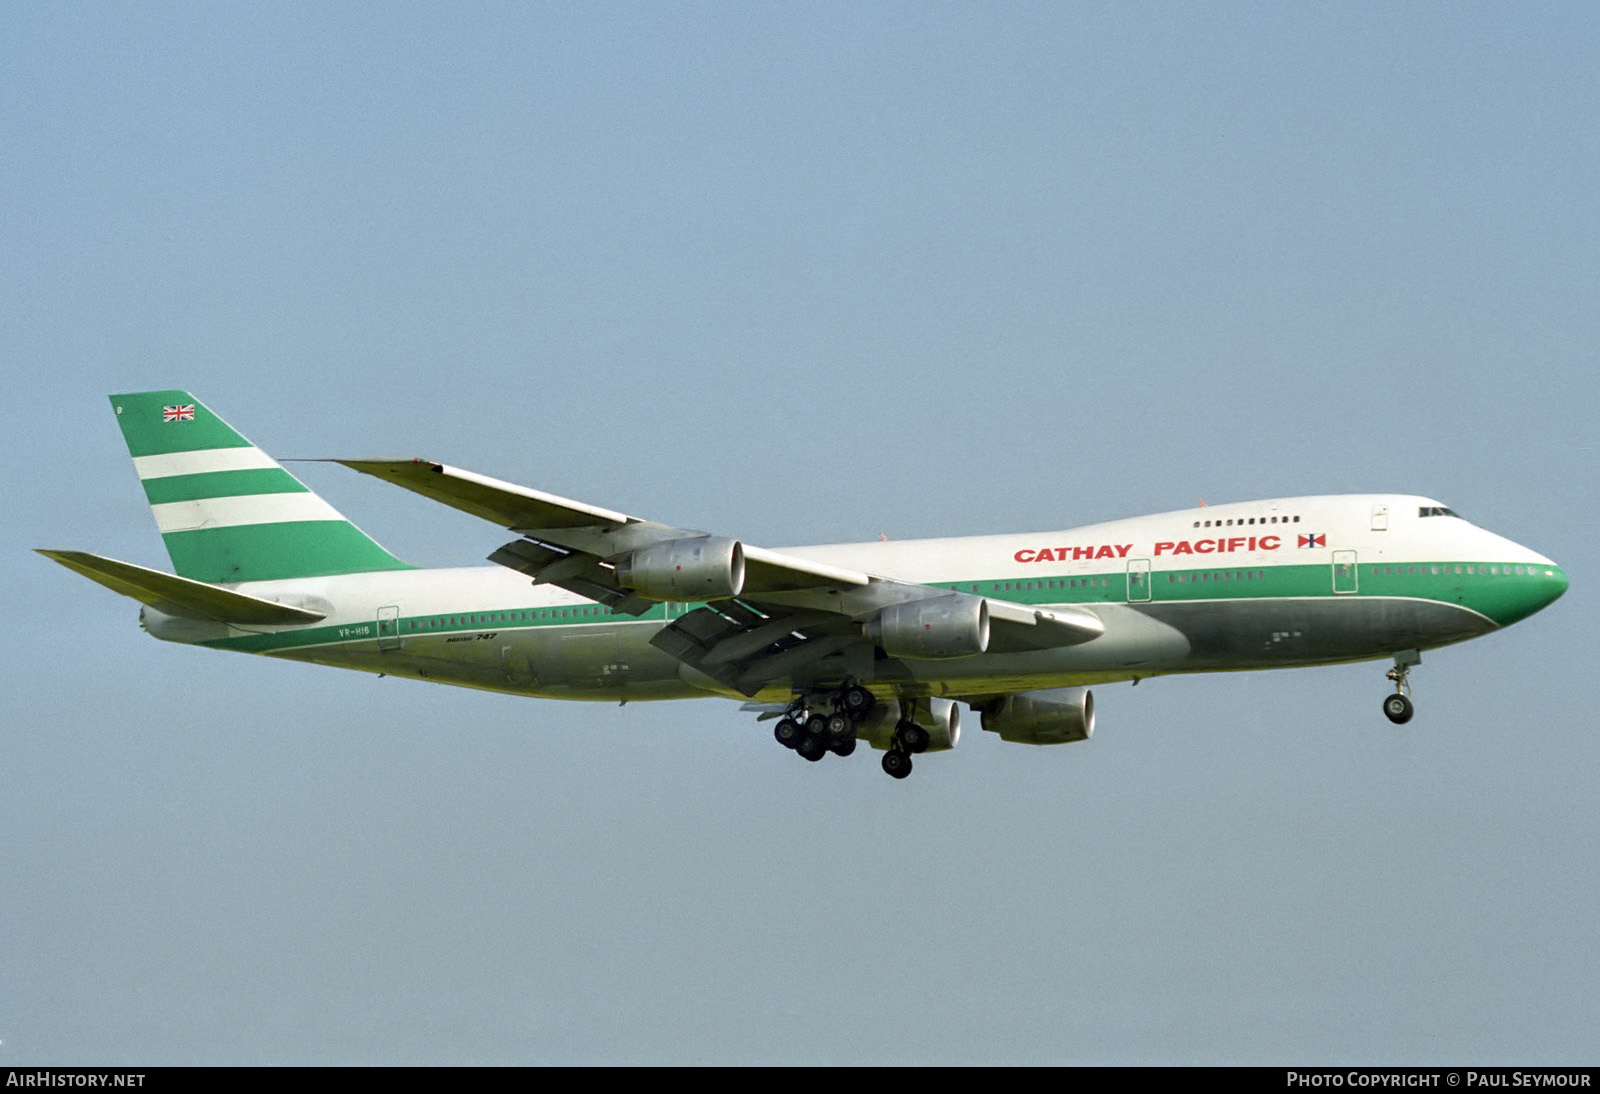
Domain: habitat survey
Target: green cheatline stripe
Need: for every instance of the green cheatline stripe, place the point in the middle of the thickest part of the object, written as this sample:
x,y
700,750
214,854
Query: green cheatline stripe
x,y
140,417
433,626
1504,598
222,484
267,552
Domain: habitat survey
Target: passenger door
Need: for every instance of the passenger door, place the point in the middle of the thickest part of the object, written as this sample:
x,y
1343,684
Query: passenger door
x,y
1138,580
1344,572
389,628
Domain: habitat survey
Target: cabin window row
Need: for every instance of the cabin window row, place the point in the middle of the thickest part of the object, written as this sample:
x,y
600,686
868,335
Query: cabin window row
x,y
1216,575
1040,586
486,619
1461,570
1240,522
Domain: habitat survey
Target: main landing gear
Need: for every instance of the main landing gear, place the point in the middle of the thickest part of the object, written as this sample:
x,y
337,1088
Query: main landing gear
x,y
1397,707
817,724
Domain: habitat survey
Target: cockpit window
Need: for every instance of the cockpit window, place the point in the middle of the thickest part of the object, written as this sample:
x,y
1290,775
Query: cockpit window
x,y
1436,511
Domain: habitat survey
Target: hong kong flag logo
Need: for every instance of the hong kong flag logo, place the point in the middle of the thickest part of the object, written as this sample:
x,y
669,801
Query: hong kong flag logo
x,y
1314,540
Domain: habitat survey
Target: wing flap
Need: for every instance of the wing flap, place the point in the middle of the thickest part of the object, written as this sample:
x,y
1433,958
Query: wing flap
x,y
745,647
577,573
180,596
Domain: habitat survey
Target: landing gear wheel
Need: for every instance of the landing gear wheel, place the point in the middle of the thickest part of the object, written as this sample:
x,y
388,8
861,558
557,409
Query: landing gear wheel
x,y
788,732
811,747
913,737
842,746
856,700
837,725
1398,709
897,763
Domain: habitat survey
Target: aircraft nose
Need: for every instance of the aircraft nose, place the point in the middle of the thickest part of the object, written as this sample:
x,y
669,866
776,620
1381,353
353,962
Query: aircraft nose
x,y
1542,587
1555,584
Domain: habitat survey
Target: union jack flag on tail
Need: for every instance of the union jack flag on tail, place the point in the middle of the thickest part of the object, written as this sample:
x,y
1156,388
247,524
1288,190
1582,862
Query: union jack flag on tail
x,y
184,413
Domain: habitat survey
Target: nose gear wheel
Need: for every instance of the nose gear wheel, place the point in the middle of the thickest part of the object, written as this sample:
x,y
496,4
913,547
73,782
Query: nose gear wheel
x,y
1398,707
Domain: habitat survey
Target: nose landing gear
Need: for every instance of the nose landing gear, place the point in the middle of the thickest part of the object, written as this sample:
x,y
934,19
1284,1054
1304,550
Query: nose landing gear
x,y
909,738
1398,707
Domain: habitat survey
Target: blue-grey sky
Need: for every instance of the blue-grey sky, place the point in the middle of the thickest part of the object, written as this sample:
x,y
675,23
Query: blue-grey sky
x,y
801,273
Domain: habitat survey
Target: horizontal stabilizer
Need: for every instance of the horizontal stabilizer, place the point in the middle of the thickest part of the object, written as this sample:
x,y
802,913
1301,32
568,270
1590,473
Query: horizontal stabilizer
x,y
180,596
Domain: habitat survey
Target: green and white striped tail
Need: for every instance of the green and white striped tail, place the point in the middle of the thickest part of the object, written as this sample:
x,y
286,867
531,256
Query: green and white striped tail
x,y
227,511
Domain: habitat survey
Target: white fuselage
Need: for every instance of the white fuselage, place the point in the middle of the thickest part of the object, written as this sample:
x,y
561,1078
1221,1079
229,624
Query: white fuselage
x,y
1290,581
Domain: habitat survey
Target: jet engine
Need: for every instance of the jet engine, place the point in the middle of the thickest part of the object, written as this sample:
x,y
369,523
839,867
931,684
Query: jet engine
x,y
699,568
1052,717
943,723
944,626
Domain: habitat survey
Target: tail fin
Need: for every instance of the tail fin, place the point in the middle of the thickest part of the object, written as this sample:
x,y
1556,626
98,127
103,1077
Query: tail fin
x,y
227,511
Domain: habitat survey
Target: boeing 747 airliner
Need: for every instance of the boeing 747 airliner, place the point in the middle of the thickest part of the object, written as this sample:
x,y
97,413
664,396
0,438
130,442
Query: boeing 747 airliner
x,y
882,642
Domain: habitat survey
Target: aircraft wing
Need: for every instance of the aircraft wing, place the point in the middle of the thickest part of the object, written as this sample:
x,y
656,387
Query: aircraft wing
x,y
766,615
565,528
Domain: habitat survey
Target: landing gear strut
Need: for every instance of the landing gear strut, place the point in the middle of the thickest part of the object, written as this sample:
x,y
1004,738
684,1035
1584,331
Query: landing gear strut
x,y
1397,707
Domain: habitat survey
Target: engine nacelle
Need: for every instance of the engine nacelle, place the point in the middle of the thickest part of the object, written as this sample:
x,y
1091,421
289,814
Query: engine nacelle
x,y
940,717
1053,717
699,568
943,723
945,626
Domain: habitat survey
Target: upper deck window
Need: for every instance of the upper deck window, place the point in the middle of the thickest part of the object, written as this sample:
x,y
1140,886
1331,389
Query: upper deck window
x,y
1436,511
